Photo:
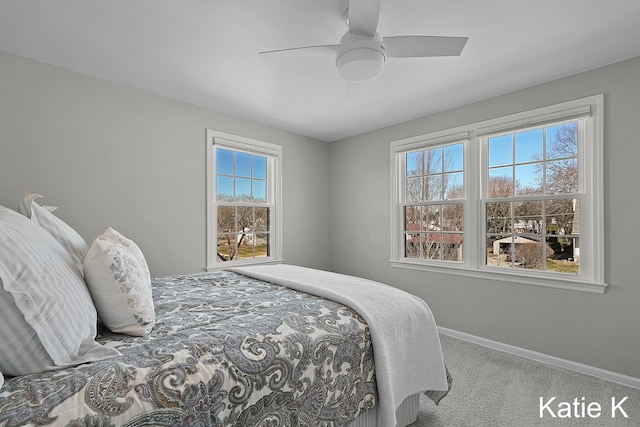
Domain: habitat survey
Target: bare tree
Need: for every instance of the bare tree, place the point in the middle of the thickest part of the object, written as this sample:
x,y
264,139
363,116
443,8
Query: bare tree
x,y
235,225
499,213
423,180
562,164
530,254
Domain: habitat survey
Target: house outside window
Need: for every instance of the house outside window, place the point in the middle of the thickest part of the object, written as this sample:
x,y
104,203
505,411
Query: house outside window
x,y
517,198
243,201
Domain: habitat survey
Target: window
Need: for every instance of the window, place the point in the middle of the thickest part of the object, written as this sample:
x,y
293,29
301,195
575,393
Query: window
x,y
432,212
517,198
532,200
243,193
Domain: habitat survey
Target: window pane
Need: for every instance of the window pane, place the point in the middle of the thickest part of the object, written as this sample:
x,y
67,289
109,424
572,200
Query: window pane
x,y
224,187
544,236
499,217
224,162
431,246
432,187
454,158
261,219
562,216
243,188
562,176
225,247
431,219
564,258
529,146
243,232
528,217
529,253
529,179
412,245
234,181
415,164
454,186
245,245
565,214
245,219
499,251
433,160
562,141
500,150
412,215
425,177
259,169
414,189
501,182
262,245
243,164
226,219
452,247
259,190
453,217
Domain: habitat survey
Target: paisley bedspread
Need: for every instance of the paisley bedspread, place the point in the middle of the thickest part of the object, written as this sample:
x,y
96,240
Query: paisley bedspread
x,y
226,350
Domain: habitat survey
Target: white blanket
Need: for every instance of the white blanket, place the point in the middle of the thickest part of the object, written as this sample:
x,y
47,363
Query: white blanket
x,y
406,346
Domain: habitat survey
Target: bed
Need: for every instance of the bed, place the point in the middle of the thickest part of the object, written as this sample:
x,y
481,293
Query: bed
x,y
258,346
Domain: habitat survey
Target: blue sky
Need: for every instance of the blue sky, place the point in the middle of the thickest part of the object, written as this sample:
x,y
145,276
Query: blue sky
x,y
520,153
529,147
240,175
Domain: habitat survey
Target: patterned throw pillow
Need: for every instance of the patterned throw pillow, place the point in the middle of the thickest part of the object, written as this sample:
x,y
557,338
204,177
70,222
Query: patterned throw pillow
x,y
118,278
60,230
47,318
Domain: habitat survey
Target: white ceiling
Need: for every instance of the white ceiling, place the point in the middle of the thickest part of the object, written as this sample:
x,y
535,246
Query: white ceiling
x,y
206,52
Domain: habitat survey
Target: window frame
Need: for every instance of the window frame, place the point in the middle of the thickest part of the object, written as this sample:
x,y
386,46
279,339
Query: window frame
x,y
475,135
273,153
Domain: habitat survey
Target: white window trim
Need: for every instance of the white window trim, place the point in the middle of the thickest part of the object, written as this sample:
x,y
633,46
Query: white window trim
x,y
215,138
592,265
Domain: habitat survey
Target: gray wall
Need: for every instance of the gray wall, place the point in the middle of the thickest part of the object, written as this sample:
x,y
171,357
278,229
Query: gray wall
x,y
109,155
597,330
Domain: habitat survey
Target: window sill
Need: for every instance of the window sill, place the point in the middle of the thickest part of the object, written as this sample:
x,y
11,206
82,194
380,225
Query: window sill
x,y
504,276
224,265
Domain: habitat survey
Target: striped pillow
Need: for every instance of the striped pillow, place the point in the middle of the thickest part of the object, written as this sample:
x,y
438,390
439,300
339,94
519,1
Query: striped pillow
x,y
47,317
60,230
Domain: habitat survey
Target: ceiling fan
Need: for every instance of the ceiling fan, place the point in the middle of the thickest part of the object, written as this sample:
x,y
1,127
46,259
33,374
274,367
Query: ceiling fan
x,y
362,52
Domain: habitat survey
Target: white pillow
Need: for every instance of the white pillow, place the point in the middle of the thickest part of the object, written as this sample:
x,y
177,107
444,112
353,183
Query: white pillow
x,y
60,230
47,318
115,236
118,278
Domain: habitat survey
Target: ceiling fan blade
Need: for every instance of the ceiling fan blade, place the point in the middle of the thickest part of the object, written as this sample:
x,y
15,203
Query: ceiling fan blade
x,y
363,16
300,52
423,46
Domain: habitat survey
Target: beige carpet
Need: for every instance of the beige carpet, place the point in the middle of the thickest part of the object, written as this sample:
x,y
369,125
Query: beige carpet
x,y
492,388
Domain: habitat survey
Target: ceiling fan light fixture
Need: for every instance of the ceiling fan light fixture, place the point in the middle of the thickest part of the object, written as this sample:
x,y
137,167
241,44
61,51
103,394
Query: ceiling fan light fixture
x,y
360,58
360,64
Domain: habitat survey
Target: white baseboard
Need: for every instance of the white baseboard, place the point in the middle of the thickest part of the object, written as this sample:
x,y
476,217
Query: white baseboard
x,y
544,358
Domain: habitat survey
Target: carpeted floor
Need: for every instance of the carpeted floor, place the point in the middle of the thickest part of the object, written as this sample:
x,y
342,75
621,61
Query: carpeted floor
x,y
492,388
